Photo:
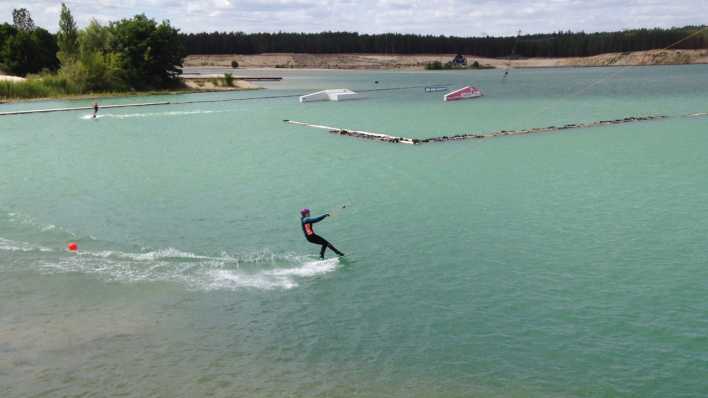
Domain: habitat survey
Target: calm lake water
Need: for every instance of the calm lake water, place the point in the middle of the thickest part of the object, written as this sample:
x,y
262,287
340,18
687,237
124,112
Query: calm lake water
x,y
571,264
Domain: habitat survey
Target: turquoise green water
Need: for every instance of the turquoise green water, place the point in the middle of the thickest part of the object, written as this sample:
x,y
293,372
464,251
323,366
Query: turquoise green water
x,y
557,265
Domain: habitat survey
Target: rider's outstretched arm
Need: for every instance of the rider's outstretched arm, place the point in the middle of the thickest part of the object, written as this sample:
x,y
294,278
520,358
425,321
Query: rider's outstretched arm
x,y
312,220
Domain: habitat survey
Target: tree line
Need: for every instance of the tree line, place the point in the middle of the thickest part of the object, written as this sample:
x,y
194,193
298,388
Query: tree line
x,y
130,54
25,48
560,44
139,53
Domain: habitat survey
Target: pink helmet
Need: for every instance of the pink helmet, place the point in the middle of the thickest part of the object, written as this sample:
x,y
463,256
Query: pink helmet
x,y
304,211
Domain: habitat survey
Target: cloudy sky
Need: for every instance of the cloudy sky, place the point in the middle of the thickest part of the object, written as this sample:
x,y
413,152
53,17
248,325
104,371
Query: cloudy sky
x,y
450,17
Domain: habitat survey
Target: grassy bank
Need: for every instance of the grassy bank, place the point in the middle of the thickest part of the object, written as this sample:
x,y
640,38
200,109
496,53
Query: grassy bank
x,y
56,87
45,87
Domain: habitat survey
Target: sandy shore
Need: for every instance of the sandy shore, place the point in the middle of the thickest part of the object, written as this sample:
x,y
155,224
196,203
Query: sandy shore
x,y
11,78
207,83
400,61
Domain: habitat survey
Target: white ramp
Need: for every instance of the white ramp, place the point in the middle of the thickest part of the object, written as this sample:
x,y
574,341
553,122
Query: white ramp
x,y
337,94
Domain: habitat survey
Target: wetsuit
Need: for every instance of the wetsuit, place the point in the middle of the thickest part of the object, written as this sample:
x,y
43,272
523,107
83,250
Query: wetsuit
x,y
312,237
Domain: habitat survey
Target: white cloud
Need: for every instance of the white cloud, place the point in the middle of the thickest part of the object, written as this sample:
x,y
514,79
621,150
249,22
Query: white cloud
x,y
450,17
222,4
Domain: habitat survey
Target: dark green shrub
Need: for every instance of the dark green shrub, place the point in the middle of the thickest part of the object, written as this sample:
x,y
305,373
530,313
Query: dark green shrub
x,y
435,65
228,79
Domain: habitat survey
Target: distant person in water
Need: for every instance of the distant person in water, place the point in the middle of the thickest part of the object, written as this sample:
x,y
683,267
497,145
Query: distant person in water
x,y
309,232
95,109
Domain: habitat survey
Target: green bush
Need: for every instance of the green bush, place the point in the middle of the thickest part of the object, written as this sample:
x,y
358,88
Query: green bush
x,y
59,85
435,65
103,72
228,79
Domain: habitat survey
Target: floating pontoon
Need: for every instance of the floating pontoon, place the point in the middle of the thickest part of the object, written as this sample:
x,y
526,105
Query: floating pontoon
x,y
501,133
466,92
337,94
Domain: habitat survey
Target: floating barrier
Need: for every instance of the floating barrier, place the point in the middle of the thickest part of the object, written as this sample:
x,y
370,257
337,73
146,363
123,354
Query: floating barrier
x,y
356,133
81,108
392,89
259,79
501,133
198,75
206,101
435,89
264,97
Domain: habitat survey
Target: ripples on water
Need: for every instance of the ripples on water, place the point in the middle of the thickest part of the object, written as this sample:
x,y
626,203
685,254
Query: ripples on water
x,y
260,271
566,265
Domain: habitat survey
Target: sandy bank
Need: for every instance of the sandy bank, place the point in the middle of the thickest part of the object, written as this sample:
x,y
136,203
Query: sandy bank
x,y
418,61
215,83
11,78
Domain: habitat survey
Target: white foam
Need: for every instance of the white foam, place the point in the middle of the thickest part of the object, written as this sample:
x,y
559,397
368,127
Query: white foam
x,y
147,114
169,253
228,279
195,271
311,268
284,278
12,245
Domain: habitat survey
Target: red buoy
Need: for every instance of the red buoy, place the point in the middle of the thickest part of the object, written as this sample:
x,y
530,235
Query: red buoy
x,y
72,246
